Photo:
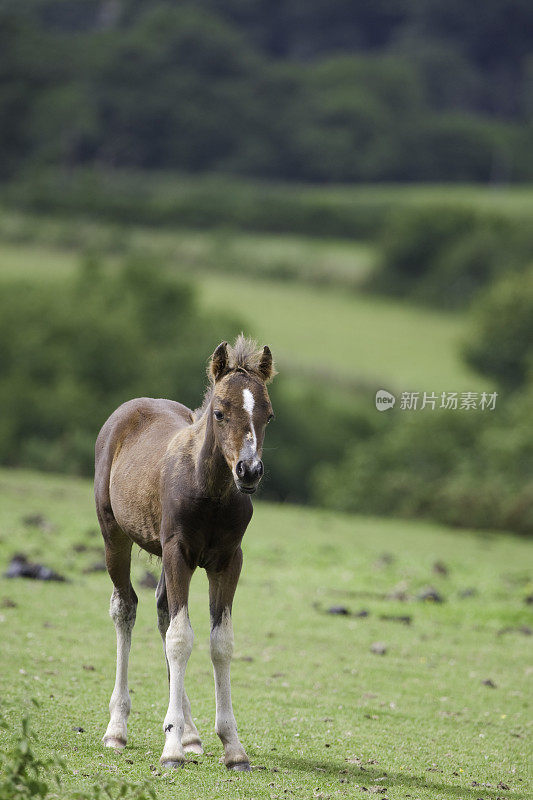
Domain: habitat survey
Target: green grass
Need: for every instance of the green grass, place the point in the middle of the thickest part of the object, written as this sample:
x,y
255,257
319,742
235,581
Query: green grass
x,y
320,714
351,335
507,199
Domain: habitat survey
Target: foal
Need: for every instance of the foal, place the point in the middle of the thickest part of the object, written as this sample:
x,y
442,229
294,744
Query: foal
x,y
178,484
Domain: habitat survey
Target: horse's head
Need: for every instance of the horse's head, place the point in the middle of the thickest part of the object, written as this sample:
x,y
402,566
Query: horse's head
x,y
241,408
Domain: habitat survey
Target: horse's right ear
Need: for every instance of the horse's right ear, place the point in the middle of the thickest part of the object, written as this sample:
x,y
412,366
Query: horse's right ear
x,y
219,362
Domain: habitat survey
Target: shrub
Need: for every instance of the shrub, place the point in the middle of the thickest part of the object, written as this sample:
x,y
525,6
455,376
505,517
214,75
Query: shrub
x,y
500,343
443,255
71,353
313,427
465,468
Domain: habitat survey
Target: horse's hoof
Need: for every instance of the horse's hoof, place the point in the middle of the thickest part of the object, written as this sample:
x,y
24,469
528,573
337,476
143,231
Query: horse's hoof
x,y
116,744
241,766
194,747
172,764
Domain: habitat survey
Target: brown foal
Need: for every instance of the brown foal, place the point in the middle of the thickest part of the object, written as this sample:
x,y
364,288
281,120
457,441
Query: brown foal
x,y
178,484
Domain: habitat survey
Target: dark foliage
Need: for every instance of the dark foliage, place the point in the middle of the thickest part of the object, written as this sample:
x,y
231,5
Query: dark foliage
x,y
500,342
342,91
445,254
70,354
465,468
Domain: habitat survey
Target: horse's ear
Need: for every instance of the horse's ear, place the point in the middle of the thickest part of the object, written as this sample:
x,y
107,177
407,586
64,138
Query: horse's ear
x,y
219,362
266,365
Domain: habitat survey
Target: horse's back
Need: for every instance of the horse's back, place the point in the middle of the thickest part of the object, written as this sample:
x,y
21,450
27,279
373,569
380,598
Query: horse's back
x,y
129,454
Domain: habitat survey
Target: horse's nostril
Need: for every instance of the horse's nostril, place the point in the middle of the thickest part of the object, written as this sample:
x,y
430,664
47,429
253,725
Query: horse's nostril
x,y
259,469
240,469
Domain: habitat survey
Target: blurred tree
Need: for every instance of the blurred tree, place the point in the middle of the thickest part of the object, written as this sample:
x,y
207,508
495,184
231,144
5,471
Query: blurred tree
x,y
176,89
409,90
70,354
500,344
354,114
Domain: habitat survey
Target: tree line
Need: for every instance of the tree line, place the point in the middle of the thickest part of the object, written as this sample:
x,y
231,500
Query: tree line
x,y
314,91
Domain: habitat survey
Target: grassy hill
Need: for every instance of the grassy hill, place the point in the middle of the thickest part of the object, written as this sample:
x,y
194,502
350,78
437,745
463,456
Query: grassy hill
x,y
320,714
324,328
351,335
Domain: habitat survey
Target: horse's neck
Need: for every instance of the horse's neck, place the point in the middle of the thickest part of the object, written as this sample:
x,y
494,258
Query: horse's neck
x,y
212,472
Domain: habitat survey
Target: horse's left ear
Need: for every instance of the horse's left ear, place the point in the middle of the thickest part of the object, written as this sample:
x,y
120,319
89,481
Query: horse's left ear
x,y
219,362
266,365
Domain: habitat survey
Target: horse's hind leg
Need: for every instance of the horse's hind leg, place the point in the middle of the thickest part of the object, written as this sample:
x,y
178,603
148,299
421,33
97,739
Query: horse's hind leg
x,y
123,608
191,738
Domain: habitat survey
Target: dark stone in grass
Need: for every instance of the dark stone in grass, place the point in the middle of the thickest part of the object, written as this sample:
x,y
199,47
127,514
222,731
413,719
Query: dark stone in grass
x,y
439,568
504,786
489,682
430,594
20,567
97,566
77,729
524,629
81,547
38,521
148,581
342,610
406,619
7,602
469,592
529,599
362,613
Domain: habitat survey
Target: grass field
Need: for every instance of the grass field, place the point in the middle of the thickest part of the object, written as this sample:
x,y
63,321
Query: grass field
x,y
352,335
321,716
311,260
319,328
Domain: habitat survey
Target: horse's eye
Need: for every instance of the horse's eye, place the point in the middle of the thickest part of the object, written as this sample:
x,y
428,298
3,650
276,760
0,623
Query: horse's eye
x,y
270,416
219,415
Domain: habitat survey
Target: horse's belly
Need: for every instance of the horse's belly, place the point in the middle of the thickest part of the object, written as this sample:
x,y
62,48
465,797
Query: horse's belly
x,y
135,501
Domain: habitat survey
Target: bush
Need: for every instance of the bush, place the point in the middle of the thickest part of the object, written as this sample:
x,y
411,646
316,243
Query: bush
x,y
71,353
465,468
443,255
500,343
314,426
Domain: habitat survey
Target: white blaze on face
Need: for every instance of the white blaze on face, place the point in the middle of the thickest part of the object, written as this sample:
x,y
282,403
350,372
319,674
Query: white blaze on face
x,y
248,403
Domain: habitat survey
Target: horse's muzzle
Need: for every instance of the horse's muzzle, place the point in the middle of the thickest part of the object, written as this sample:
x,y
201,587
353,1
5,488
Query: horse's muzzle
x,y
248,473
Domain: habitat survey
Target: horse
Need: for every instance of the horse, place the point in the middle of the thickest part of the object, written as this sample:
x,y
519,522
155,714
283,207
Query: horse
x,y
178,483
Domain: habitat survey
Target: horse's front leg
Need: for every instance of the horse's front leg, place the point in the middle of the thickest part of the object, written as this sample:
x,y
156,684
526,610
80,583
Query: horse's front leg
x,y
191,738
222,587
178,646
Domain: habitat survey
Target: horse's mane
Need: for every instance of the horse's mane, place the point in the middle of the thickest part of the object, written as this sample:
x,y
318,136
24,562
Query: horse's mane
x,y
243,356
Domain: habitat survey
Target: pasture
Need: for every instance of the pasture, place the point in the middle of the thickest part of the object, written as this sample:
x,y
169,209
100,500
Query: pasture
x,y
441,714
315,322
